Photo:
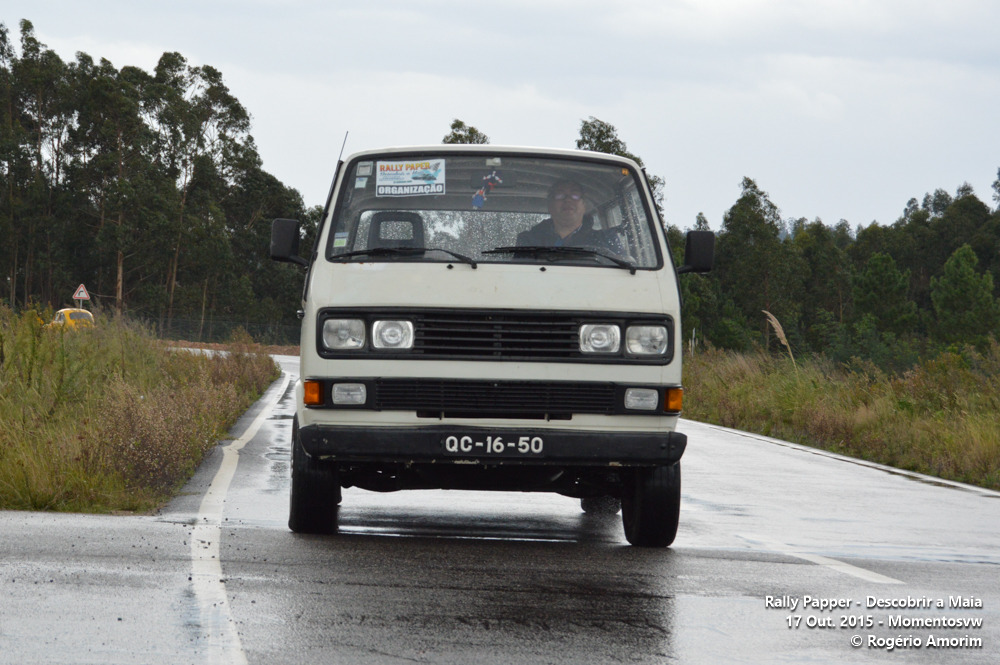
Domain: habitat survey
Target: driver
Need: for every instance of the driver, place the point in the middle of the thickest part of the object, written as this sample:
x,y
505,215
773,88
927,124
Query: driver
x,y
565,226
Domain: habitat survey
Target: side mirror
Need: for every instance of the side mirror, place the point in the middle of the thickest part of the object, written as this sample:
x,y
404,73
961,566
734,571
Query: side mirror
x,y
699,252
285,241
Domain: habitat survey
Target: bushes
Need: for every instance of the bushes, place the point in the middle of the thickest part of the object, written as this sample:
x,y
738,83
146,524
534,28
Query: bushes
x,y
937,418
108,418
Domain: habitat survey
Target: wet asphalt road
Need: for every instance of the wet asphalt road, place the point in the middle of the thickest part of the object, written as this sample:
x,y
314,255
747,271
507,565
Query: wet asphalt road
x,y
475,577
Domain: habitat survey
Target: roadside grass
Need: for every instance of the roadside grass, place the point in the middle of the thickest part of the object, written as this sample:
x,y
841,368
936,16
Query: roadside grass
x,y
939,418
109,419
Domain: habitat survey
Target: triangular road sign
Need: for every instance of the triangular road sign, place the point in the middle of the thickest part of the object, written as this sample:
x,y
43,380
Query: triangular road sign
x,y
81,293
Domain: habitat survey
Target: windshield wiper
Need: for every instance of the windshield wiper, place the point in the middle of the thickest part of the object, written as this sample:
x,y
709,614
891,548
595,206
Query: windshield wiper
x,y
562,249
460,257
403,251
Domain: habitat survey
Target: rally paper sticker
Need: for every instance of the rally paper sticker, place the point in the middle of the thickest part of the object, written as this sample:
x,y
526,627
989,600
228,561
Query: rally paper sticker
x,y
415,178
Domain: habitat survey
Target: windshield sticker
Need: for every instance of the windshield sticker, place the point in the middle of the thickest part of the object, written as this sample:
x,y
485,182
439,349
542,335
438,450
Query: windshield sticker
x,y
417,178
364,168
490,181
360,183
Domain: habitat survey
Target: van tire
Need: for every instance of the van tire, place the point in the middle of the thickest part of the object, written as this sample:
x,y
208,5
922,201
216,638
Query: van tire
x,y
651,504
315,496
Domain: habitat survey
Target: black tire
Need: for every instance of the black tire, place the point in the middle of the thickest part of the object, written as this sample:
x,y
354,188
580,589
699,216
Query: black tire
x,y
315,496
651,505
600,505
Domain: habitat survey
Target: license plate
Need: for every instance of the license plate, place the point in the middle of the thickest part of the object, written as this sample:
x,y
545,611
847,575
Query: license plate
x,y
494,445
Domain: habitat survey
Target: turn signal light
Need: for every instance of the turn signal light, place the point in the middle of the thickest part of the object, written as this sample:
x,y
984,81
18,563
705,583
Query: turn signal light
x,y
312,392
674,401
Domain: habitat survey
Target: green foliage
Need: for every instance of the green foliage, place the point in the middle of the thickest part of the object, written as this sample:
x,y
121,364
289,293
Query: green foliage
x,y
965,309
601,136
107,418
146,186
938,418
828,335
826,274
754,266
885,294
462,133
881,291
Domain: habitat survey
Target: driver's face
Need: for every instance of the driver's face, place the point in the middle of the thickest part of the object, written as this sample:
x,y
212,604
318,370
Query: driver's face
x,y
566,207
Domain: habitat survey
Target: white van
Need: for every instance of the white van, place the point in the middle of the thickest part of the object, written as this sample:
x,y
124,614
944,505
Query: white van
x,y
491,318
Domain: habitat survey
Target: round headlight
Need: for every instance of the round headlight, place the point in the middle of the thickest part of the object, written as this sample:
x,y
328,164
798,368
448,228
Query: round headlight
x,y
392,335
600,338
343,334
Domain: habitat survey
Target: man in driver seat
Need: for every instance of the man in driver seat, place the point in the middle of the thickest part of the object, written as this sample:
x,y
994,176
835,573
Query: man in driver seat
x,y
565,227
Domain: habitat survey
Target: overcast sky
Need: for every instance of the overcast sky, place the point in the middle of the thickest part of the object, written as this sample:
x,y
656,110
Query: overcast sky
x,y
839,109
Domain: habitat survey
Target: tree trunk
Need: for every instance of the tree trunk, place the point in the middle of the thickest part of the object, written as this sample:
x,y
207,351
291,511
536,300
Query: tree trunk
x,y
120,256
120,283
172,281
204,300
13,276
172,268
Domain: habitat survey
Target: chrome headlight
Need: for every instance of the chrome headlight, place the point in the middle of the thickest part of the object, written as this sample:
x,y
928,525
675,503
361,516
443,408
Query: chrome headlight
x,y
392,335
642,399
600,338
352,394
646,340
343,334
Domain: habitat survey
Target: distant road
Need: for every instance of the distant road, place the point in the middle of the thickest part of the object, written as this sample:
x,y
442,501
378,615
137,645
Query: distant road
x,y
474,577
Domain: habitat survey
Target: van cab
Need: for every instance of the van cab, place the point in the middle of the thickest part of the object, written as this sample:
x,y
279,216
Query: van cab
x,y
491,318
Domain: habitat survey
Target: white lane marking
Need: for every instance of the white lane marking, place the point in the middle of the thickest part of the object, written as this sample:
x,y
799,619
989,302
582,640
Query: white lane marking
x,y
217,625
834,564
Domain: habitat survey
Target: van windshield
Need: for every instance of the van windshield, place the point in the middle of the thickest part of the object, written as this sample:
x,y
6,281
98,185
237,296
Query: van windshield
x,y
493,209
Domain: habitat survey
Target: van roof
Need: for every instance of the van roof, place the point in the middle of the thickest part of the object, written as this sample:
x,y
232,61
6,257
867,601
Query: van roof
x,y
488,149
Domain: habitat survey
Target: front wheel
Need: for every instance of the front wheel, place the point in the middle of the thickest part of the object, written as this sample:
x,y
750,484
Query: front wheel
x,y
651,505
315,495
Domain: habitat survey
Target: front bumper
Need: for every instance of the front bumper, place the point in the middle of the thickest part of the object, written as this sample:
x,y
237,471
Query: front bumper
x,y
440,444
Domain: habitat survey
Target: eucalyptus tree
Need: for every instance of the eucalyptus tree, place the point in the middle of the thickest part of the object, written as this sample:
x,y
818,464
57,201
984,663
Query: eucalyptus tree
x,y
601,136
964,307
753,265
197,122
113,172
41,118
964,222
463,133
9,154
881,291
273,288
924,239
826,277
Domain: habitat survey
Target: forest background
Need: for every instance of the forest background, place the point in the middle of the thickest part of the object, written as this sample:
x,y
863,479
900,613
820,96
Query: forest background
x,y
148,188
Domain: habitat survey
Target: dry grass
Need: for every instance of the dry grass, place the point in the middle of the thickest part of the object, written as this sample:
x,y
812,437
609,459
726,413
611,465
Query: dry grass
x,y
108,419
939,418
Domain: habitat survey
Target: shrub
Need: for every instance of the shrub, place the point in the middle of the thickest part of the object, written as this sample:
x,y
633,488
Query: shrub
x,y
938,418
108,418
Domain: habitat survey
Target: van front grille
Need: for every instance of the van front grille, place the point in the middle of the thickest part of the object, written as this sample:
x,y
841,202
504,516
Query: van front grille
x,y
496,335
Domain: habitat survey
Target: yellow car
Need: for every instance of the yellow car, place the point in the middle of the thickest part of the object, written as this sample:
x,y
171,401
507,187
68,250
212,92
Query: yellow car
x,y
72,318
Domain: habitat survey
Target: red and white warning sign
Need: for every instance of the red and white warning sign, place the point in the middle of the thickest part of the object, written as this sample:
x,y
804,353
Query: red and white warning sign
x,y
81,293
